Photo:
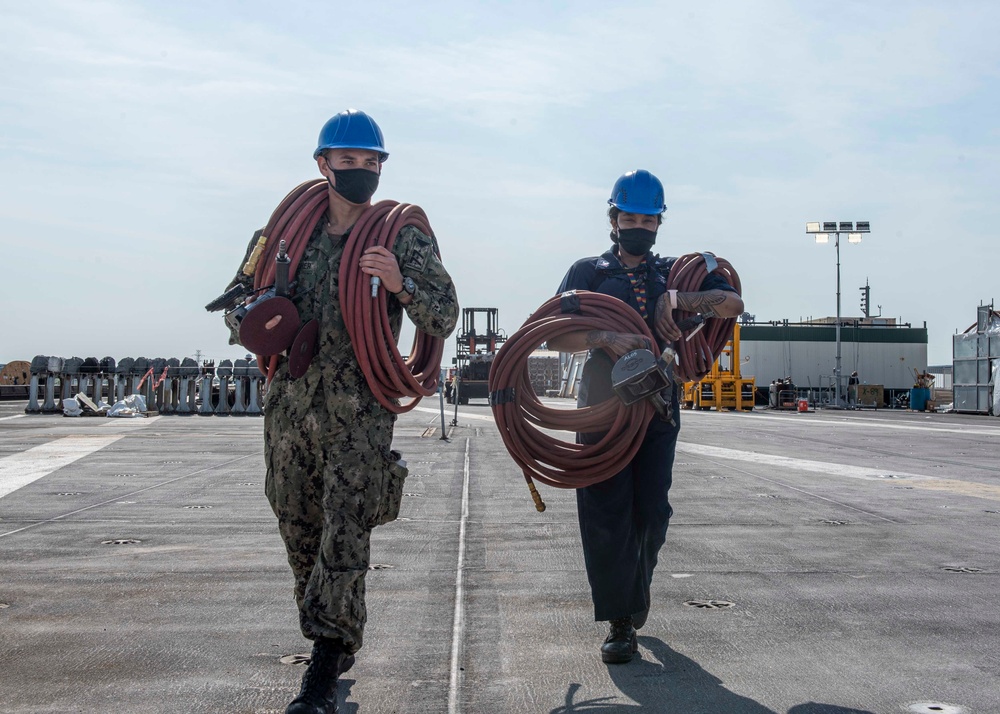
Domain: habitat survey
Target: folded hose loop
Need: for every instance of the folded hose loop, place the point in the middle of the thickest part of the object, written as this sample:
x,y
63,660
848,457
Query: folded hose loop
x,y
292,221
389,376
696,356
522,419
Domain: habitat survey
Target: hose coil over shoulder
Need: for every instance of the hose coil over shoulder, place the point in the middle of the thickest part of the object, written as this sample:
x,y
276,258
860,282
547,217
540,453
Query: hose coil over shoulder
x,y
696,356
389,375
522,418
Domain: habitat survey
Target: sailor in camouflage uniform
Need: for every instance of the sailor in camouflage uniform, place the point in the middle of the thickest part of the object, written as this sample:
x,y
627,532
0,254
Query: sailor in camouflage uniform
x,y
331,476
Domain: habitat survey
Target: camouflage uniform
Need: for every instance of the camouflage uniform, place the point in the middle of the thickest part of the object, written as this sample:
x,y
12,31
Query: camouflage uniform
x,y
331,476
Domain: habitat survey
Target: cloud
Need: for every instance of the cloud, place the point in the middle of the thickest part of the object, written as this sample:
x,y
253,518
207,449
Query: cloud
x,y
162,135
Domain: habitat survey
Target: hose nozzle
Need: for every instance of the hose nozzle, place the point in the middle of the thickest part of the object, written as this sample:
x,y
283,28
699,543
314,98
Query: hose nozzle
x,y
537,497
282,264
375,283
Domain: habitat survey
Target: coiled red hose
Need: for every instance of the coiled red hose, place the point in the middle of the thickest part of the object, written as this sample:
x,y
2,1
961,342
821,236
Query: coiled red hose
x,y
520,416
389,376
696,356
292,221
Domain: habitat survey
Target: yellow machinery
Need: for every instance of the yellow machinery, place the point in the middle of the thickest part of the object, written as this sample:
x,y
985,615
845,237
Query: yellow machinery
x,y
722,388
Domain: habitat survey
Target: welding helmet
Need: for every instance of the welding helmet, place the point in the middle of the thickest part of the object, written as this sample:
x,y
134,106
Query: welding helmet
x,y
351,129
638,192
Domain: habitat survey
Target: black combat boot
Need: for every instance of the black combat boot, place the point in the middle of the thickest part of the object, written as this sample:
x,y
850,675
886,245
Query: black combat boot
x,y
319,684
621,643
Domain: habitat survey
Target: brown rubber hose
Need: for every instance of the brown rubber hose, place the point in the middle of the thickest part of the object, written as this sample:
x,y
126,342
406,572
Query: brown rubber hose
x,y
521,417
696,356
389,376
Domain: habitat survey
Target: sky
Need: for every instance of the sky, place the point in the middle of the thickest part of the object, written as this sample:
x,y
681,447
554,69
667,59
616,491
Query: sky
x,y
143,143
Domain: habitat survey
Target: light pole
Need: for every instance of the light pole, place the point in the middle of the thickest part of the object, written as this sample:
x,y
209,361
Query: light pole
x,y
822,232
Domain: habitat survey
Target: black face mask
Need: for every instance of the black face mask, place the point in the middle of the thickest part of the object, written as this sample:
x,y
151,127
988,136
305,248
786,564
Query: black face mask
x,y
635,241
355,185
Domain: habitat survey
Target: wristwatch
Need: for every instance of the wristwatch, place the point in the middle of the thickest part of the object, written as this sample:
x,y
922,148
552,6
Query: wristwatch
x,y
409,287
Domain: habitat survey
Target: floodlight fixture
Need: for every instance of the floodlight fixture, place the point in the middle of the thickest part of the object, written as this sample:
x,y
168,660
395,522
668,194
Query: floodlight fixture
x,y
822,232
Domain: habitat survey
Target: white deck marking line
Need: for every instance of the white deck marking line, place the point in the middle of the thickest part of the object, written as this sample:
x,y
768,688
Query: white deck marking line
x,y
931,483
458,627
821,467
126,495
18,470
462,414
131,421
15,416
808,419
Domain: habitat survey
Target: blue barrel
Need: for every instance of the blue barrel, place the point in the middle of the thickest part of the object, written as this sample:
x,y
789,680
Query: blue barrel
x,y
919,397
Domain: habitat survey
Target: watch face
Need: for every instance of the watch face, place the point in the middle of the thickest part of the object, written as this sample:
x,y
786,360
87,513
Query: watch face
x,y
409,286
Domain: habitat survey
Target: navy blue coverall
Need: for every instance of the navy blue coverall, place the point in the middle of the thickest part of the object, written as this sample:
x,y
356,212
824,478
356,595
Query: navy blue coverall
x,y
623,520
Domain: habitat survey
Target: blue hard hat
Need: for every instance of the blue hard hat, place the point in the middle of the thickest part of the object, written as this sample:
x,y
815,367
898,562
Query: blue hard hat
x,y
351,129
638,192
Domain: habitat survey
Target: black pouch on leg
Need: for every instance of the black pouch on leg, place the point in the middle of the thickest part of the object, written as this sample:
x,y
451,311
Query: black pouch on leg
x,y
393,478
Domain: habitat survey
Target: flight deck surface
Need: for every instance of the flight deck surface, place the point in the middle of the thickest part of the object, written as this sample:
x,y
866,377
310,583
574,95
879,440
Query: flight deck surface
x,y
817,563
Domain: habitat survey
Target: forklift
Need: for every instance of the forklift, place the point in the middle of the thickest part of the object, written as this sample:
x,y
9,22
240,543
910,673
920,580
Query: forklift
x,y
474,355
723,387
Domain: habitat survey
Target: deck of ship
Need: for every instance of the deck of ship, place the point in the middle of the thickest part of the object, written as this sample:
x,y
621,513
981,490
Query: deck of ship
x,y
852,560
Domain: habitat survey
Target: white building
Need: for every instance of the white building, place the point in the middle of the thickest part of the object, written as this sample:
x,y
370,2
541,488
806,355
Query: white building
x,y
881,352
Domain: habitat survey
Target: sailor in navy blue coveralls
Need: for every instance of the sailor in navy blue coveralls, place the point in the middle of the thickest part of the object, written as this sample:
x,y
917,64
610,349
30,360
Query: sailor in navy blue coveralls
x,y
623,520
